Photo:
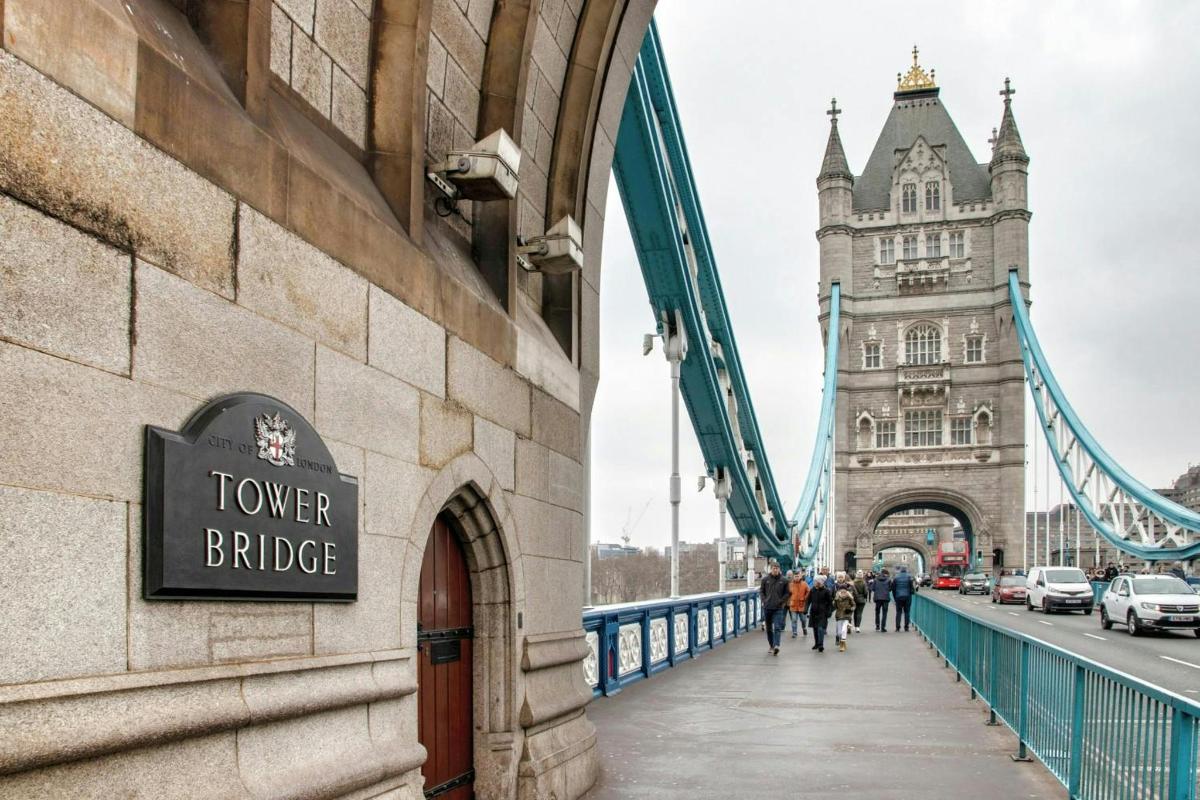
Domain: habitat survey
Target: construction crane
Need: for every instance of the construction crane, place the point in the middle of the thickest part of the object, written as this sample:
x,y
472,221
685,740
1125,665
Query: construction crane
x,y
627,529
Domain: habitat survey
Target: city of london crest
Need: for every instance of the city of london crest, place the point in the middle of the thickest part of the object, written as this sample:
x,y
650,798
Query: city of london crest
x,y
276,440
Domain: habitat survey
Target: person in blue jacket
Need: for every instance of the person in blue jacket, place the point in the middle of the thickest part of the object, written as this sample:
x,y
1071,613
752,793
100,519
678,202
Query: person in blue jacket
x,y
903,589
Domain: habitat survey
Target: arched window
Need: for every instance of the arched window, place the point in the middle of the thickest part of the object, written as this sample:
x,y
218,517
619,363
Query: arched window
x,y
933,196
908,198
923,345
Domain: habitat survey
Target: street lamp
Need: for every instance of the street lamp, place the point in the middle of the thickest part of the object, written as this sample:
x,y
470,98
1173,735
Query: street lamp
x,y
675,349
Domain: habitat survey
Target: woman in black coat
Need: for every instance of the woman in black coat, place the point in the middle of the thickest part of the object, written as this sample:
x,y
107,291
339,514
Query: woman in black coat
x,y
820,609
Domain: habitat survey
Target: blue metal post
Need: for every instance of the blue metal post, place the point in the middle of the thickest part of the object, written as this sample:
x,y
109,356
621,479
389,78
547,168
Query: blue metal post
x,y
610,655
1075,765
1183,756
1023,716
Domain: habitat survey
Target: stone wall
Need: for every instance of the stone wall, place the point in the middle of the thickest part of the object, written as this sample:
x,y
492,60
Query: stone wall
x,y
173,229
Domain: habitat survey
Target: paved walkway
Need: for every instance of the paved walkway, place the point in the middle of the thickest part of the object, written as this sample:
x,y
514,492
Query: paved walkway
x,y
882,721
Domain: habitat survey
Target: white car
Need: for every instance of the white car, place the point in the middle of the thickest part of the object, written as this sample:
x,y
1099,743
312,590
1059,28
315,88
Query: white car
x,y
1150,602
1055,588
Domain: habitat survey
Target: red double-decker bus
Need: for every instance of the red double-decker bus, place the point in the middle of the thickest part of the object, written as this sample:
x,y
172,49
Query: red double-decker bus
x,y
949,564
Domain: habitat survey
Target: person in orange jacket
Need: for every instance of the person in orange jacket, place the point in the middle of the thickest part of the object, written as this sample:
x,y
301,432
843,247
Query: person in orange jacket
x,y
797,602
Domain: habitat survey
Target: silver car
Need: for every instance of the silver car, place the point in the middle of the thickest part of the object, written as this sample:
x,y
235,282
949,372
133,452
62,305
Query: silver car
x,y
1150,602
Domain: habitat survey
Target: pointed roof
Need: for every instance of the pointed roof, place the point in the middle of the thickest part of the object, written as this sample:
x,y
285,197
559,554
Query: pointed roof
x,y
1008,145
834,165
919,113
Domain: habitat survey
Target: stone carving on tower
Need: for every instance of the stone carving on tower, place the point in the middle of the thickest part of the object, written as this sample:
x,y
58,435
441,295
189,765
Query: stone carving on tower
x,y
930,403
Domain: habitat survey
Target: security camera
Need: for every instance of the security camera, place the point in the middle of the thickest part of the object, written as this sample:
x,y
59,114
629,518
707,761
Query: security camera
x,y
559,252
487,171
700,483
647,344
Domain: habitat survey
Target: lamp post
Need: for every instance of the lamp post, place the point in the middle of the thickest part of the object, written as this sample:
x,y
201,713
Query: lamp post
x,y
675,349
721,489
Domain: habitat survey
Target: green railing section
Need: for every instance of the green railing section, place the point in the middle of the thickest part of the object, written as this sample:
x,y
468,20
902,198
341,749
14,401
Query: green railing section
x,y
1104,734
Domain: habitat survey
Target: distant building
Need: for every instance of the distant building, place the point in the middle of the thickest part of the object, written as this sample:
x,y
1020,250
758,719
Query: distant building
x,y
1186,489
684,547
604,551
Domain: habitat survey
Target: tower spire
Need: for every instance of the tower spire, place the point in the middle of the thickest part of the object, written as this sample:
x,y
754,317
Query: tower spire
x,y
1008,145
834,165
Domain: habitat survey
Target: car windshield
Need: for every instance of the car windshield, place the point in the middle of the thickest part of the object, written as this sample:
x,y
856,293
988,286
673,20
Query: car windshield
x,y
1160,584
1065,576
975,576
1011,580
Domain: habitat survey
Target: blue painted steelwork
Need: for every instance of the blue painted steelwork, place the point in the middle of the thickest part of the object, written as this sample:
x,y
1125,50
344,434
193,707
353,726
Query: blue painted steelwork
x,y
654,177
1133,517
1102,733
631,641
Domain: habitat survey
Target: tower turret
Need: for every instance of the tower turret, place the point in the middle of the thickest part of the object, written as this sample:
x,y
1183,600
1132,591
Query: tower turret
x,y
1009,170
835,190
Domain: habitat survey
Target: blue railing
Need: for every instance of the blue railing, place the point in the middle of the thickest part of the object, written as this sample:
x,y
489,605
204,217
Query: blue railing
x,y
632,641
1102,733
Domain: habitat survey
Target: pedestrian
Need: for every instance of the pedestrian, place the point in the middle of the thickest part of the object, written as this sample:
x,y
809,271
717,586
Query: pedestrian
x,y
844,605
881,591
796,602
774,592
860,600
902,591
820,607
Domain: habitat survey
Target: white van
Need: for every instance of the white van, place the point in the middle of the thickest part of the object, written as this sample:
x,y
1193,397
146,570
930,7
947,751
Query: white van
x,y
1058,588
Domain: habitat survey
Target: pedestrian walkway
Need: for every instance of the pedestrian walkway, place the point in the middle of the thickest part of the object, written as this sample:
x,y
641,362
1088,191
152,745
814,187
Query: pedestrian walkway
x,y
884,720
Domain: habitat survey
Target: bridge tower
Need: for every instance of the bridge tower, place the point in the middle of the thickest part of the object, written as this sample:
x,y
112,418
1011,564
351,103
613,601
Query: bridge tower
x,y
930,403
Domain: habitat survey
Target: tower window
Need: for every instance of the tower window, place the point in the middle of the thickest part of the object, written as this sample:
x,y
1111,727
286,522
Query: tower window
x,y
885,434
872,355
933,245
960,430
887,251
958,247
923,345
923,428
910,247
933,196
974,354
908,198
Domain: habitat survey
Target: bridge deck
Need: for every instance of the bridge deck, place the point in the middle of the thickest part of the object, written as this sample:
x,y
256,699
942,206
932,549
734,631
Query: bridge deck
x,y
882,720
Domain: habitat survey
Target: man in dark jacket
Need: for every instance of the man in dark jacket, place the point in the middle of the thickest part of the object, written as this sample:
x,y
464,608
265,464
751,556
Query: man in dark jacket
x,y
903,589
820,609
774,591
881,592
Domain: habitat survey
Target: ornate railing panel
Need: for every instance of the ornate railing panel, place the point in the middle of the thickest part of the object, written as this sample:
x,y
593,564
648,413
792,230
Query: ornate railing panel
x,y
631,641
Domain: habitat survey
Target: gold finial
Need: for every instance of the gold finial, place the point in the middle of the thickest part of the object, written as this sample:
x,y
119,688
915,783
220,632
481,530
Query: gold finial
x,y
916,78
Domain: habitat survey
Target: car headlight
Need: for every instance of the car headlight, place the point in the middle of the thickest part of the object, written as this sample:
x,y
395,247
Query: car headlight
x,y
1149,606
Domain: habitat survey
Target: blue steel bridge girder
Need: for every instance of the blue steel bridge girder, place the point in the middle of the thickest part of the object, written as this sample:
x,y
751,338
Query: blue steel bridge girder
x,y
662,206
1129,515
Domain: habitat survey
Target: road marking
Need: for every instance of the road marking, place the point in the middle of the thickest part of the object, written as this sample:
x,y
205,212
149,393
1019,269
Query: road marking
x,y
1051,624
1015,614
1185,663
1094,636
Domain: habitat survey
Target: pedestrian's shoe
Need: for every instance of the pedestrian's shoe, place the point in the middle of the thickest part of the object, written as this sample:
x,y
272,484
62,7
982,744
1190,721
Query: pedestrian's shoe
x,y
793,636
857,629
775,652
821,649
842,646
815,646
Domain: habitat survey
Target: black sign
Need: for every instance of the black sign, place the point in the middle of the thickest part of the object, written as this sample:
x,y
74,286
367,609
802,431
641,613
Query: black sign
x,y
246,502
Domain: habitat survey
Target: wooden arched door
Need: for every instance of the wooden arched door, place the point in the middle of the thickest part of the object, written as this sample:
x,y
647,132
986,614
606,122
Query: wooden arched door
x,y
444,701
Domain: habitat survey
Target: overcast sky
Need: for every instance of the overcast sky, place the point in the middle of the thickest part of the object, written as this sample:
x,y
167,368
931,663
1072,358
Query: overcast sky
x,y
1107,106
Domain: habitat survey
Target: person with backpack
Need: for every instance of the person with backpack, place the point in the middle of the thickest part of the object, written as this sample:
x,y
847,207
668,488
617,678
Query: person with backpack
x,y
860,599
903,591
843,603
820,608
881,591
796,603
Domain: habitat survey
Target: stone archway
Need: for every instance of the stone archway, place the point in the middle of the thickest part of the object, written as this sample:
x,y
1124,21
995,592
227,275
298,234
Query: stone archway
x,y
467,492
889,544
947,501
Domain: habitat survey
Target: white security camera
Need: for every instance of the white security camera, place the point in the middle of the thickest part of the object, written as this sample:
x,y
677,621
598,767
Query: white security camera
x,y
700,483
559,252
647,343
487,171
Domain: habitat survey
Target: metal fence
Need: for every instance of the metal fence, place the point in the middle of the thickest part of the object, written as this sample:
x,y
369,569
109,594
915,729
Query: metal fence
x,y
1102,733
632,641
